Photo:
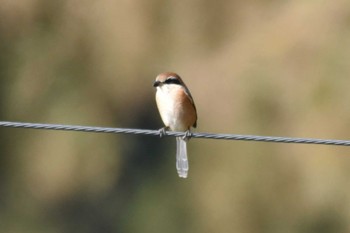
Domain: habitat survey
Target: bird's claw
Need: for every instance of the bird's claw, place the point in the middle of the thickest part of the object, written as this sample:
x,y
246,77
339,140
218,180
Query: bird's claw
x,y
187,135
162,132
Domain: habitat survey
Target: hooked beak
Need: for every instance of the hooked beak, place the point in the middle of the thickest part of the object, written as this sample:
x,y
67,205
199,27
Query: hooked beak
x,y
156,83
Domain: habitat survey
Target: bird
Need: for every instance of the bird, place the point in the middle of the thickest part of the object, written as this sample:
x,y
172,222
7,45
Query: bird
x,y
178,113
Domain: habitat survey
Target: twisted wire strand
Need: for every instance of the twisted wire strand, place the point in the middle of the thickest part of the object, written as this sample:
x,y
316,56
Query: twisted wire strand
x,y
175,134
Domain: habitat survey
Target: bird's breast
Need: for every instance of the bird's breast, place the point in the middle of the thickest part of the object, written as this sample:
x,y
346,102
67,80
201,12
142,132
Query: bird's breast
x,y
175,107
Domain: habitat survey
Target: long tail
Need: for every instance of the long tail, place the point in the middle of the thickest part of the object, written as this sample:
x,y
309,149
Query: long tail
x,y
181,157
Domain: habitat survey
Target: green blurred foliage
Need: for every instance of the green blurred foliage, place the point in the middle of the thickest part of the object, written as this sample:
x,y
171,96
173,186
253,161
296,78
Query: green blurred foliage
x,y
254,67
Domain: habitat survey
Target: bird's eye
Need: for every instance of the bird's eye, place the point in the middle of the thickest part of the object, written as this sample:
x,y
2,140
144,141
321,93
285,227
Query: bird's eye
x,y
172,80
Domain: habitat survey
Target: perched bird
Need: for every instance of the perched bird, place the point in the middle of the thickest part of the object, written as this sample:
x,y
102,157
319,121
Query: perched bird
x,y
178,112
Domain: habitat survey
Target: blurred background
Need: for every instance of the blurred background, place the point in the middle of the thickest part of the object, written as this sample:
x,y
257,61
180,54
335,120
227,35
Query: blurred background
x,y
278,68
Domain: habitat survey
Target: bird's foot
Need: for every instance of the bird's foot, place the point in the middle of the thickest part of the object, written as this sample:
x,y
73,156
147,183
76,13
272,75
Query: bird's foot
x,y
162,131
187,136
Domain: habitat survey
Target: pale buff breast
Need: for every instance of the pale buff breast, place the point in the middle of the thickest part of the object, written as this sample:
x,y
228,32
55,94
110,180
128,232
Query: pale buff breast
x,y
176,109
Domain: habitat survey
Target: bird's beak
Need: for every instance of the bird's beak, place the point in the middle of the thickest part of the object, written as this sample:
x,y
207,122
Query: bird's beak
x,y
156,83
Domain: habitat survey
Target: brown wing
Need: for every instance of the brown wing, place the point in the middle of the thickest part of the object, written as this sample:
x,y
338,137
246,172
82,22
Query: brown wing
x,y
188,93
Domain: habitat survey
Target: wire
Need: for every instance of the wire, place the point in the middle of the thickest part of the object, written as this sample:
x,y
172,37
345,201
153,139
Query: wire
x,y
176,134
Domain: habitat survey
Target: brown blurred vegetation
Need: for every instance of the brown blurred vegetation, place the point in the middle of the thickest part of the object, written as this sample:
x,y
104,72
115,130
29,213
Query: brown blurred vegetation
x,y
254,67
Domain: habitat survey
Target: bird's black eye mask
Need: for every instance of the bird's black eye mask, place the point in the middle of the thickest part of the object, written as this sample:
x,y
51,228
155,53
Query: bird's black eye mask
x,y
172,80
156,83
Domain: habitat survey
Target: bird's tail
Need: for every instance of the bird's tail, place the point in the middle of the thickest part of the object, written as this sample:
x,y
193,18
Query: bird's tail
x,y
181,157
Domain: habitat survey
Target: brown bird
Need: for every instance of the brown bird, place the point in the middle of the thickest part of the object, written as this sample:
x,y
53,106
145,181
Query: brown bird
x,y
178,113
